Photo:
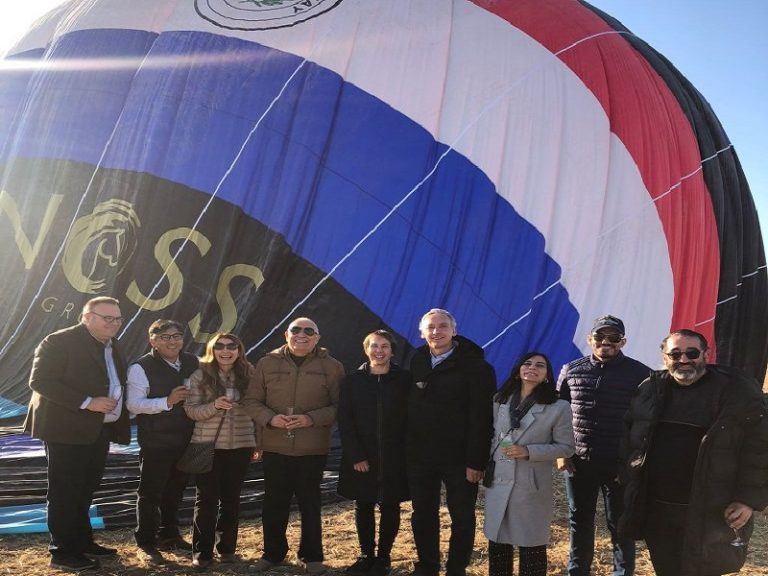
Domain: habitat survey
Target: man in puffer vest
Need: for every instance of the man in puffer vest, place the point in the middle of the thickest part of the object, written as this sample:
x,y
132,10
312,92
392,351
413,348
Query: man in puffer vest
x,y
156,394
696,462
599,387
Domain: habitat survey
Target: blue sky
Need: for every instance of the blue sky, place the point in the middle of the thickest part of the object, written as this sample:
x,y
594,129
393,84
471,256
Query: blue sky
x,y
721,47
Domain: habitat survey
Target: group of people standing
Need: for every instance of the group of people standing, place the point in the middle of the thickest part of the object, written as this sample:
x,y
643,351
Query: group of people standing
x,y
680,455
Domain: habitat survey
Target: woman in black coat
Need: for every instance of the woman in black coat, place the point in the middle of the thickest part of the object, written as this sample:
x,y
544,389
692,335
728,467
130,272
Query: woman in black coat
x,y
372,419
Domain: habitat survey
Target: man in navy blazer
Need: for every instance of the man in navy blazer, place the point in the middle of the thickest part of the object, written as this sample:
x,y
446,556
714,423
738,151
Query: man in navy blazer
x,y
77,408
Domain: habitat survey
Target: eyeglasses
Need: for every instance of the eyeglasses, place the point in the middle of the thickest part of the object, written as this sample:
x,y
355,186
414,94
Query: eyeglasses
x,y
107,319
691,354
612,338
299,329
223,346
168,337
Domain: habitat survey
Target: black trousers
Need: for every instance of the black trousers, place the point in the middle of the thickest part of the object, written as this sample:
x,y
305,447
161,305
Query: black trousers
x,y
284,477
664,532
217,503
161,489
533,560
389,524
74,474
425,484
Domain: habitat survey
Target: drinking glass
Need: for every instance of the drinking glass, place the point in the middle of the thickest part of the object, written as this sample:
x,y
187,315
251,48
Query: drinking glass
x,y
505,442
738,542
289,412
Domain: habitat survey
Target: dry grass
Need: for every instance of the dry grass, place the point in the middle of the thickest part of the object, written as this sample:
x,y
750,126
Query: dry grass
x,y
25,555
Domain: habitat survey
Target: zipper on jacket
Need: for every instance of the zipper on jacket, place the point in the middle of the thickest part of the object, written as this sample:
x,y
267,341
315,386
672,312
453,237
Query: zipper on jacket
x,y
379,434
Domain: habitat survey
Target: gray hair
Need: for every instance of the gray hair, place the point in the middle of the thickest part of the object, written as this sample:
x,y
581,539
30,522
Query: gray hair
x,y
437,311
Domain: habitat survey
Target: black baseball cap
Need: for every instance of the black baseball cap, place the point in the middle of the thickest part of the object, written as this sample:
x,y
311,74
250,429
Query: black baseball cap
x,y
608,322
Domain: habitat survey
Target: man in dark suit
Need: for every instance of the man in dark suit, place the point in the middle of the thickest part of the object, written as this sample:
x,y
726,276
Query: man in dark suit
x,y
450,426
77,409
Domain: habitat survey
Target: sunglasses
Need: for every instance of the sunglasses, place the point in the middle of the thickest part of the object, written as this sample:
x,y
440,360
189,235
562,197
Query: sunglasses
x,y
691,354
612,338
222,346
299,329
168,337
514,418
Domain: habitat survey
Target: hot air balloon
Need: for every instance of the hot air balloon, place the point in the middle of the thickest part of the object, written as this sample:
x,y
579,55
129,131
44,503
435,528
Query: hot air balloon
x,y
528,165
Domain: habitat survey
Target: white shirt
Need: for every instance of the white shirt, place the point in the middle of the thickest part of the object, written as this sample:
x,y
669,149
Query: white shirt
x,y
115,388
138,390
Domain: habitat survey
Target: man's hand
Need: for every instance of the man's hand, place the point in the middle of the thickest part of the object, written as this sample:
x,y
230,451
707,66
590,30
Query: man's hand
x,y
474,476
102,404
280,421
361,466
178,394
299,421
566,465
737,515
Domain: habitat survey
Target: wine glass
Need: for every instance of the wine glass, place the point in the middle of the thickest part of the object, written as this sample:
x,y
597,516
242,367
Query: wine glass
x,y
232,394
737,541
289,412
505,442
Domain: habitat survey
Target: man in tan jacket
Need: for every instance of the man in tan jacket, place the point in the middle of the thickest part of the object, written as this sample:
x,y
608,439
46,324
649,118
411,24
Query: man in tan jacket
x,y
294,392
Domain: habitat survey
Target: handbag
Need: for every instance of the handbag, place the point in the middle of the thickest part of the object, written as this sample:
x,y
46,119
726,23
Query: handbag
x,y
198,456
490,470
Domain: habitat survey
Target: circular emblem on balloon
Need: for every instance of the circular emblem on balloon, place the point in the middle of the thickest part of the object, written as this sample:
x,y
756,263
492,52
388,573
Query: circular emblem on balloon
x,y
100,246
261,14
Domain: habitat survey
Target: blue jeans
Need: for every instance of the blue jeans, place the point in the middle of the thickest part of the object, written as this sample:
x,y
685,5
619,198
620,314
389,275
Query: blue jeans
x,y
582,489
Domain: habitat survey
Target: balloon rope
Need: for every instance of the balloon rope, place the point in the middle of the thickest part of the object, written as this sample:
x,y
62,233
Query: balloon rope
x,y
215,193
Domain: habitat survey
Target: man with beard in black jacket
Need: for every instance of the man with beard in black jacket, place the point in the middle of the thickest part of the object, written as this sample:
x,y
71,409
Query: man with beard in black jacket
x,y
696,453
450,425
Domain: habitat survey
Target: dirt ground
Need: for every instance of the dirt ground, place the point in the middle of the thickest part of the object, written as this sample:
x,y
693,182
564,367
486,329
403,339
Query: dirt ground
x,y
25,555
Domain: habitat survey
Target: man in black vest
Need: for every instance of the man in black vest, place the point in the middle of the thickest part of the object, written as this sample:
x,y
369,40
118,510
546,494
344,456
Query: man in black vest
x,y
599,387
156,394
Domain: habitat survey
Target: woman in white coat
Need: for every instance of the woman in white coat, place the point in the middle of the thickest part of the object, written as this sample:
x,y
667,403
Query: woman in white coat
x,y
532,429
